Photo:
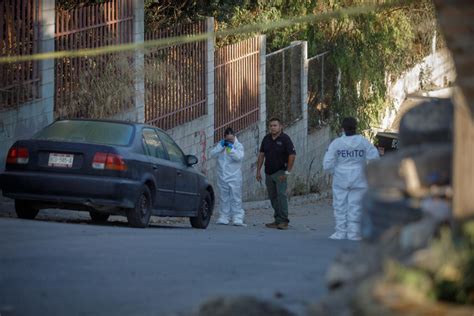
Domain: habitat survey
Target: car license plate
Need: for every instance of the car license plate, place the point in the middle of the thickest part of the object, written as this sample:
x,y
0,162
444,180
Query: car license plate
x,y
60,160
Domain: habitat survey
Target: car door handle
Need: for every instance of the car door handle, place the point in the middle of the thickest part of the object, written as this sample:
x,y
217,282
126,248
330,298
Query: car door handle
x,y
155,167
178,173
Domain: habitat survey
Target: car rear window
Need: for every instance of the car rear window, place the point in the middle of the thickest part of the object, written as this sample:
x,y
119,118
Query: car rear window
x,y
107,133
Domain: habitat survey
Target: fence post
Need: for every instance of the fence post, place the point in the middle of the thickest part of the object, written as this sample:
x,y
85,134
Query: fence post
x,y
262,115
210,68
304,88
47,88
139,60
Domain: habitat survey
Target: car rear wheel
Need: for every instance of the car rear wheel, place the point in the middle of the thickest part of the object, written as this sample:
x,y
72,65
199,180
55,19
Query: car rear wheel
x,y
98,217
139,216
204,213
24,209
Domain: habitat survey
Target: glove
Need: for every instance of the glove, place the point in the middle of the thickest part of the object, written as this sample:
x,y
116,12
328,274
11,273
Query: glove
x,y
223,143
230,145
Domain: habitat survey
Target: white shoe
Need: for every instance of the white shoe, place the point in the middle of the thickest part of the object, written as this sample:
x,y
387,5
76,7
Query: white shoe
x,y
238,223
222,221
338,236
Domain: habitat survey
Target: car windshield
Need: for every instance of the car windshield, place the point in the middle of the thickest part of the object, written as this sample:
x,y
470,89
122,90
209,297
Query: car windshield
x,y
107,133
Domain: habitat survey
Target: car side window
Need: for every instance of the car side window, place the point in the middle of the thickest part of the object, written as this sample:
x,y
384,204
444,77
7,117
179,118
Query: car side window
x,y
174,152
154,146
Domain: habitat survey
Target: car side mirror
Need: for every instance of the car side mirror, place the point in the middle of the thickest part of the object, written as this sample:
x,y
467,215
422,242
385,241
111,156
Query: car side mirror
x,y
191,160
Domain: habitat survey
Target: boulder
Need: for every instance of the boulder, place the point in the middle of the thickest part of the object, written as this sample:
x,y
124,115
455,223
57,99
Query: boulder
x,y
413,170
383,209
429,122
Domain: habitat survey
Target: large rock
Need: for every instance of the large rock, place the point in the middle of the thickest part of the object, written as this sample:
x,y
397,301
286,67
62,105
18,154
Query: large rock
x,y
429,122
382,210
412,170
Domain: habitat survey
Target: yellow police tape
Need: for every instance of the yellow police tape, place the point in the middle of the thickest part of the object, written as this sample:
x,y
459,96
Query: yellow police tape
x,y
171,41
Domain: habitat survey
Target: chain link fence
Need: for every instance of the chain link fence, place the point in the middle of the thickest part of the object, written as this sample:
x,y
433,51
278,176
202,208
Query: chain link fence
x,y
322,85
283,84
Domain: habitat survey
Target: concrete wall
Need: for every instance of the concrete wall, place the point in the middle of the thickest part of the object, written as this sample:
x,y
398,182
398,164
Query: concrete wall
x,y
435,71
24,121
193,140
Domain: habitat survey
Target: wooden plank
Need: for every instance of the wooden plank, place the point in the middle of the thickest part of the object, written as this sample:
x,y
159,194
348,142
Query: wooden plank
x,y
463,181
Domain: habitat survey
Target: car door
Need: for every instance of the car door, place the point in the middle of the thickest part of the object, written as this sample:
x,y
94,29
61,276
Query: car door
x,y
163,170
186,187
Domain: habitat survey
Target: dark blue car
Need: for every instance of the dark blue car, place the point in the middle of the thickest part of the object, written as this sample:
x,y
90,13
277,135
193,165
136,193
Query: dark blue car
x,y
106,167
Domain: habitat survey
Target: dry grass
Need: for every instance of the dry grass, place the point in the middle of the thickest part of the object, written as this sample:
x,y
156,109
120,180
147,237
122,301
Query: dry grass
x,y
106,88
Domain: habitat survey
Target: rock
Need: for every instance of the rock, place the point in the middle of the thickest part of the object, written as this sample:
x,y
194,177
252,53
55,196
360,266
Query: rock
x,y
239,306
439,209
429,122
379,297
383,209
365,302
336,303
345,269
412,170
417,235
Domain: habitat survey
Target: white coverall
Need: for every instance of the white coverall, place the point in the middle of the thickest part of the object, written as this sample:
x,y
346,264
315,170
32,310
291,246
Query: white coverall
x,y
346,158
229,182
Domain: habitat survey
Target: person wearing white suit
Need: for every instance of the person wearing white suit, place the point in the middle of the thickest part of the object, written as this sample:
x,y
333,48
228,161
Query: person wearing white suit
x,y
229,153
346,159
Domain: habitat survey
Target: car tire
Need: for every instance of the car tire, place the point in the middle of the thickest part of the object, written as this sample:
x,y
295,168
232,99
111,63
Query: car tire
x,y
98,217
204,213
25,210
139,216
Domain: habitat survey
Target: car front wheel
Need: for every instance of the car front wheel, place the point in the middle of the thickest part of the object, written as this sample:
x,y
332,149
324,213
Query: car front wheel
x,y
25,210
139,216
204,213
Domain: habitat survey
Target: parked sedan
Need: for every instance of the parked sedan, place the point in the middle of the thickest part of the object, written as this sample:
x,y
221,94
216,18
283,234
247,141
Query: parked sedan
x,y
106,167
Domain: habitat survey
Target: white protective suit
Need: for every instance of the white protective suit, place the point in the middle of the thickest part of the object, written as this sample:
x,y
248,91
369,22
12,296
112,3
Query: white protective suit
x,y
346,158
229,182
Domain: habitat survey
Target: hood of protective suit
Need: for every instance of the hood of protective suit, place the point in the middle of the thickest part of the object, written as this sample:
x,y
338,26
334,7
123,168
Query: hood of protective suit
x,y
353,141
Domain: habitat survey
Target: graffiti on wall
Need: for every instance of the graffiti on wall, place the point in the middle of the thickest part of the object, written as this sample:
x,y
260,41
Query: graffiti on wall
x,y
202,150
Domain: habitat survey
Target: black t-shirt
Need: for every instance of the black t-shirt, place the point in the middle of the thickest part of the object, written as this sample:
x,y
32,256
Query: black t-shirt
x,y
277,152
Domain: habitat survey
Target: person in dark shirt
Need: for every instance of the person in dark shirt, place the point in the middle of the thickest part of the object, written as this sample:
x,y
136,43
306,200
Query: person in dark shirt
x,y
278,153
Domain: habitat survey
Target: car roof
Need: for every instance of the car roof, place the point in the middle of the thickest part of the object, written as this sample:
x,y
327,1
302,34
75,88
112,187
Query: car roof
x,y
110,121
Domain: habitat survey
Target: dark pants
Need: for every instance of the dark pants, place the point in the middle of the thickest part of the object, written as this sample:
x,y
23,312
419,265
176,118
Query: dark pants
x,y
278,197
